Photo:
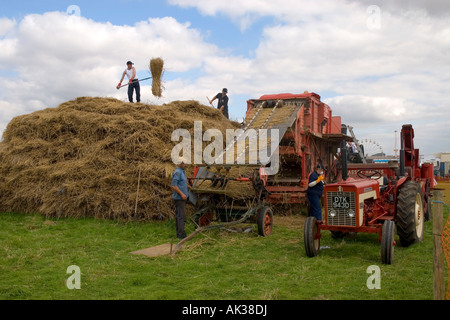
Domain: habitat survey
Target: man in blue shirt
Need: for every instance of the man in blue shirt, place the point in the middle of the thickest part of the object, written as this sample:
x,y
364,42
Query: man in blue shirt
x,y
315,190
180,196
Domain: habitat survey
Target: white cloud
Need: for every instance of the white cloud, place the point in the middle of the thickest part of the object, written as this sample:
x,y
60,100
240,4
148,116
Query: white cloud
x,y
381,78
375,79
435,8
292,10
296,10
377,119
58,38
370,111
7,111
6,25
54,57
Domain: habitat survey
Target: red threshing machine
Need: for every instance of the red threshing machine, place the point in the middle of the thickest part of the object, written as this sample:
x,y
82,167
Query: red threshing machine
x,y
376,198
307,134
310,135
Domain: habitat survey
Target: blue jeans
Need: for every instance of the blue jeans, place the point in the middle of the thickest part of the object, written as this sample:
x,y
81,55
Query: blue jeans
x,y
316,210
134,86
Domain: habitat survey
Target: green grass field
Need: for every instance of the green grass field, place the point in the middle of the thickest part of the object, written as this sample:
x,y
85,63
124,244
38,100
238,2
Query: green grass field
x,y
217,265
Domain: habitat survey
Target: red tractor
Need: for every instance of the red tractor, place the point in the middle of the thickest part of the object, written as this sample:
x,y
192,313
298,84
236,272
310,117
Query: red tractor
x,y
378,198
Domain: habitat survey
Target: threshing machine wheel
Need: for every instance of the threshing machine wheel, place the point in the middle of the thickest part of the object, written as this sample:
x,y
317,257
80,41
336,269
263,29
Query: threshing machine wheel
x,y
387,242
203,217
265,221
311,238
410,214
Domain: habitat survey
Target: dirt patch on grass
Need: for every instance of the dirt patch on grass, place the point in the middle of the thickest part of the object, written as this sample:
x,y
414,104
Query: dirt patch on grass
x,y
161,250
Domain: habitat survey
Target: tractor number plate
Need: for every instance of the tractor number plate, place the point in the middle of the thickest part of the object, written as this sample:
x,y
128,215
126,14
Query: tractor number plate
x,y
341,202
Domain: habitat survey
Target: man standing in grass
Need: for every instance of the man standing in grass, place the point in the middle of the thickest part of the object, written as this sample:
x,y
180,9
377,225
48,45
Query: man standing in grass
x,y
133,85
180,197
315,190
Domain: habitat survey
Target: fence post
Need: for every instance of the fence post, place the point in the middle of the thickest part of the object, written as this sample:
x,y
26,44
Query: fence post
x,y
438,253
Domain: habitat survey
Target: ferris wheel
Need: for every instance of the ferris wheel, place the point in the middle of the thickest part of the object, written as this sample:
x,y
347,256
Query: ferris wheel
x,y
371,147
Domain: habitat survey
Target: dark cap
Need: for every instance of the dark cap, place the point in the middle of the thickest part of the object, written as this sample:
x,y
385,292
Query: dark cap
x,y
225,90
129,62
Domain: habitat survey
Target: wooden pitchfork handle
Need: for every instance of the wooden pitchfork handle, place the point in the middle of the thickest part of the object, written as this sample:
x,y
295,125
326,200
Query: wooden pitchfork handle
x,y
210,102
139,80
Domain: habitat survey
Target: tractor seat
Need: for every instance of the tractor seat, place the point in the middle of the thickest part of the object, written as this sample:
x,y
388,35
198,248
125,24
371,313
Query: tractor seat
x,y
383,183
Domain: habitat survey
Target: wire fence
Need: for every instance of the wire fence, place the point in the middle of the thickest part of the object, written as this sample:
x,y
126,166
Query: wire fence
x,y
446,247
445,238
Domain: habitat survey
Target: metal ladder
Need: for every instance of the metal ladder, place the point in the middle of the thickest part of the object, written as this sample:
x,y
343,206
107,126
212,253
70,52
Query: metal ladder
x,y
246,127
358,146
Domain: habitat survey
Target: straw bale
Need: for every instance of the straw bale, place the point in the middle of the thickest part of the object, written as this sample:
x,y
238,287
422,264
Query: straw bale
x,y
157,69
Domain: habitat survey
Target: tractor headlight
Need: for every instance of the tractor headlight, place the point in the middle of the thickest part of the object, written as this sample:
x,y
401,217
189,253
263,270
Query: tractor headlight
x,y
351,213
332,213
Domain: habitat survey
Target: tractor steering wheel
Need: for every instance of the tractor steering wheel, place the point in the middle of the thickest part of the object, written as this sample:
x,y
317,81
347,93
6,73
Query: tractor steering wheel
x,y
375,175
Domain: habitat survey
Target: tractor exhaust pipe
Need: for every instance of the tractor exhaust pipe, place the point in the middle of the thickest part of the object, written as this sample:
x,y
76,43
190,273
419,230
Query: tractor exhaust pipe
x,y
344,160
402,155
402,163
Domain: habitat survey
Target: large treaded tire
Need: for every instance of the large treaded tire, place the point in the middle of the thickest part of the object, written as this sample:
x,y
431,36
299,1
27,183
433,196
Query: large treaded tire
x,y
410,214
387,242
312,246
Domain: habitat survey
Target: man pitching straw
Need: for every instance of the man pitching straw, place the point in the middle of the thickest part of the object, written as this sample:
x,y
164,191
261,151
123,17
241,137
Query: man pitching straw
x,y
223,102
130,72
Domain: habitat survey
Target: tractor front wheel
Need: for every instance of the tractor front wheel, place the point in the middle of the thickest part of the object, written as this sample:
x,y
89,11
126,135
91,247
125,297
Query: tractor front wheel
x,y
265,222
387,242
410,214
311,237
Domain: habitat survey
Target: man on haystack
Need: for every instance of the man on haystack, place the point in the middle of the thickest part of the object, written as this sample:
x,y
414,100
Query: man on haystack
x,y
223,102
133,85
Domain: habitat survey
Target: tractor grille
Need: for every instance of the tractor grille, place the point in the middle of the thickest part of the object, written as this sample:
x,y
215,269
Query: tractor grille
x,y
340,205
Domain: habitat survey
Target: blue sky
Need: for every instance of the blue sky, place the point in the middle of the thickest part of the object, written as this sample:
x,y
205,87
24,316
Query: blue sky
x,y
218,29
376,69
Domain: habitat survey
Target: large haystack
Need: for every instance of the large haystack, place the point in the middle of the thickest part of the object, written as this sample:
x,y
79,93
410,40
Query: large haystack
x,y
84,157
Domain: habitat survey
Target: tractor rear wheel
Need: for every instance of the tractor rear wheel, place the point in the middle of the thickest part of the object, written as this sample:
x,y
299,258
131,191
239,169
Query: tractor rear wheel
x,y
410,214
312,242
387,242
265,222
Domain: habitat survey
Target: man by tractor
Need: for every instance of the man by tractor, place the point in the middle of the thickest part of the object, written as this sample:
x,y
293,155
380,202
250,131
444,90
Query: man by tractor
x,y
315,191
180,196
133,85
223,102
